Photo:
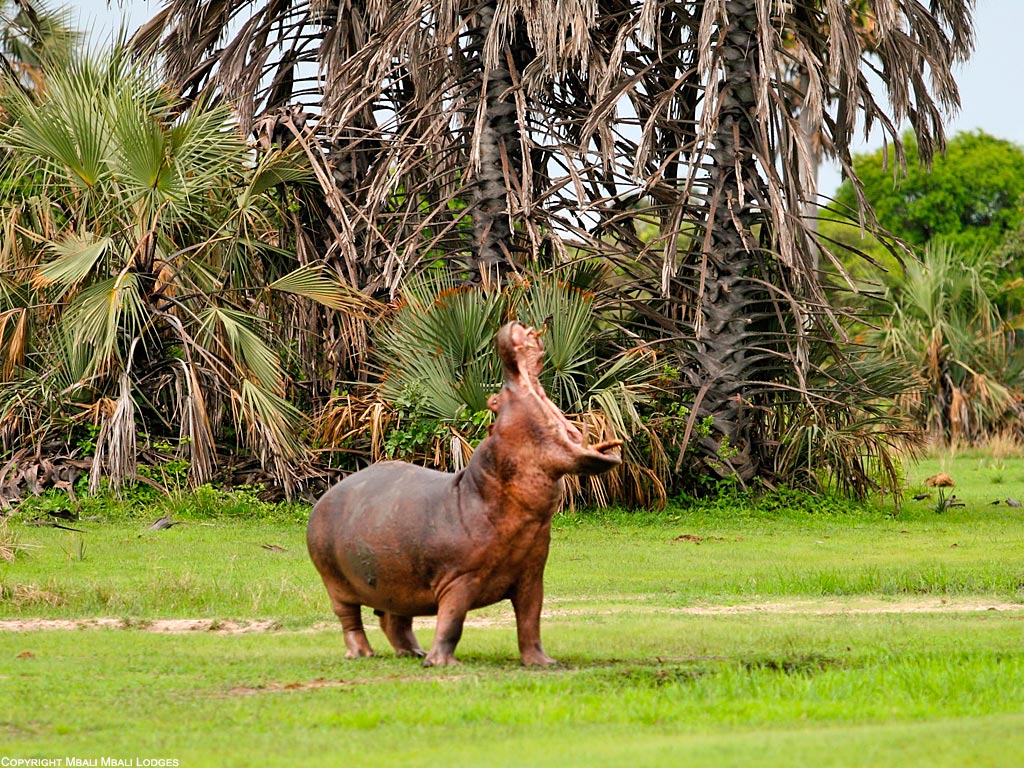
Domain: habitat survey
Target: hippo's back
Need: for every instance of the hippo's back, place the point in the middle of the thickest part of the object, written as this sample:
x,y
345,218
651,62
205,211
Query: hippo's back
x,y
387,505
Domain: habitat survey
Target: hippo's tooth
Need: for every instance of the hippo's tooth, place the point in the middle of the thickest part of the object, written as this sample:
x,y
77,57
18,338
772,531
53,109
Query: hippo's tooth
x,y
606,446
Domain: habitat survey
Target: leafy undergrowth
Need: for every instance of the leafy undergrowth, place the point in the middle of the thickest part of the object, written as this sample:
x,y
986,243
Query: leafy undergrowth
x,y
982,480
142,502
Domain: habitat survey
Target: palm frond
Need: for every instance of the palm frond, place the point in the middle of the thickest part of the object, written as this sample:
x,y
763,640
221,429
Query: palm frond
x,y
115,456
314,283
196,430
273,168
102,315
272,426
76,257
248,351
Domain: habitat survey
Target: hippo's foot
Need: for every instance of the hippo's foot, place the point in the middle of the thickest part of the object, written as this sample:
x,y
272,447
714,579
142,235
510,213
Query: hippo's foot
x,y
398,630
440,660
359,653
357,644
537,658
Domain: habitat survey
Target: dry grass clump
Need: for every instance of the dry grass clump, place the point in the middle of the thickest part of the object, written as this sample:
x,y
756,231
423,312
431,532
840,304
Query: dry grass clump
x,y
1005,445
24,595
9,546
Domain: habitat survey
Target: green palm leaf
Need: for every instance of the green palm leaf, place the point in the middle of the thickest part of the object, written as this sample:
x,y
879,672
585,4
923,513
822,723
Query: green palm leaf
x,y
569,341
77,255
247,349
103,314
314,283
275,168
272,425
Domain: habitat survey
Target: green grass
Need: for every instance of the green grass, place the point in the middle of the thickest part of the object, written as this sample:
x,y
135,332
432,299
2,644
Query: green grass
x,y
644,680
221,570
724,690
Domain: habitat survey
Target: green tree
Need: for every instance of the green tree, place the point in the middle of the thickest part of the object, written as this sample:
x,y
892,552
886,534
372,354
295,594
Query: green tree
x,y
947,328
971,196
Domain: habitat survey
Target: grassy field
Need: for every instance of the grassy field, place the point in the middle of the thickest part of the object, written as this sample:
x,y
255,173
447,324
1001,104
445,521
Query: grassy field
x,y
727,635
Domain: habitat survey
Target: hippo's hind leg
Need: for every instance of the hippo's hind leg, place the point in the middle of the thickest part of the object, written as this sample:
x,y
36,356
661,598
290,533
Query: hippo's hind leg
x,y
352,625
398,630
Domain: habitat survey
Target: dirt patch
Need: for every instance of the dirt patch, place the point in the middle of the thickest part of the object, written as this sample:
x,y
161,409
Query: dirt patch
x,y
311,685
864,605
320,683
179,626
694,538
159,626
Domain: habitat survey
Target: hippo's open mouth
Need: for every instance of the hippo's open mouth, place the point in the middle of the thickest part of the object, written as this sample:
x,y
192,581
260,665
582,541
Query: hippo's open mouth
x,y
522,354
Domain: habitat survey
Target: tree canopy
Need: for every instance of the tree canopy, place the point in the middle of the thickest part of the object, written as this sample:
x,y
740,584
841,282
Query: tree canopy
x,y
970,196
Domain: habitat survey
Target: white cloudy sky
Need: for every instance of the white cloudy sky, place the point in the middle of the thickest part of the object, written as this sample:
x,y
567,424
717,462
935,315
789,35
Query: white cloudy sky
x,y
991,83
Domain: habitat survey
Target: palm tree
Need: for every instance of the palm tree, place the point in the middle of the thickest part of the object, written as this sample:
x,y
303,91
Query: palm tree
x,y
30,35
754,285
665,138
137,290
947,328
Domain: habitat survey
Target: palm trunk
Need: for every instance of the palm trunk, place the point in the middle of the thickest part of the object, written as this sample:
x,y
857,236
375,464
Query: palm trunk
x,y
497,150
732,305
809,134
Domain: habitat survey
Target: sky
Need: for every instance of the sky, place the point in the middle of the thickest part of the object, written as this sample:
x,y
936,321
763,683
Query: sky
x,y
991,83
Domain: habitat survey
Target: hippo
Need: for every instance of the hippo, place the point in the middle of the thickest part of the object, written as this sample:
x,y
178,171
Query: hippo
x,y
410,541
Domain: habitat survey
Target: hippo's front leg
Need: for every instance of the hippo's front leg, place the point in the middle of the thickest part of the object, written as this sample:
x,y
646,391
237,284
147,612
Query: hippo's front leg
x,y
451,614
527,600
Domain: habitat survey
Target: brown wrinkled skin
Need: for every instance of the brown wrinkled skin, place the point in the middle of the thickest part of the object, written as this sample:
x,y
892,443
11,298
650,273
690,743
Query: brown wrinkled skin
x,y
409,541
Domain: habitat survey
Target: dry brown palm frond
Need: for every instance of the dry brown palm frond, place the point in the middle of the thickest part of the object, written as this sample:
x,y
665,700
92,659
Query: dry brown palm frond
x,y
196,430
116,453
355,424
460,450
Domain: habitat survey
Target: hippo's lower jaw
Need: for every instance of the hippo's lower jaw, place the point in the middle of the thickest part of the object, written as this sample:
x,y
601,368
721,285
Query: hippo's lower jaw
x,y
595,459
